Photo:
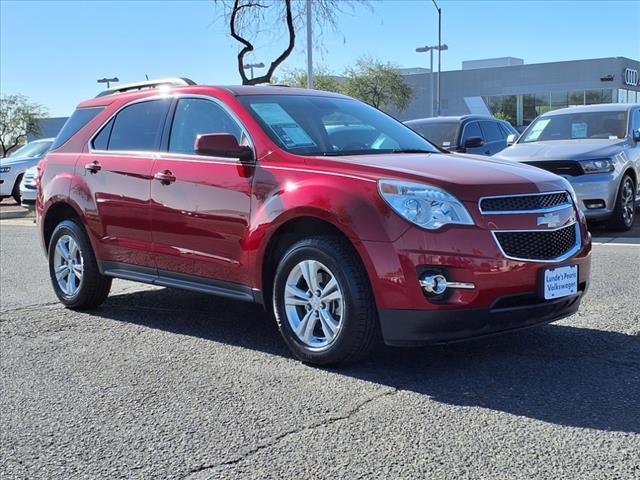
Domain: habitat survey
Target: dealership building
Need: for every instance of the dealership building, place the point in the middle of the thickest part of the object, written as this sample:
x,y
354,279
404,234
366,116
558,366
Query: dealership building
x,y
519,91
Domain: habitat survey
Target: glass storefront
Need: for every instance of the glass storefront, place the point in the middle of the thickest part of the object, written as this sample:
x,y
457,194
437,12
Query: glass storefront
x,y
521,110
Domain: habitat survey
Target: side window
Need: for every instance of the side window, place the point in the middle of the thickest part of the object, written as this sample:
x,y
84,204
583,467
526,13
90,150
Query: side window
x,y
138,126
635,122
491,131
101,141
471,129
195,116
76,121
504,130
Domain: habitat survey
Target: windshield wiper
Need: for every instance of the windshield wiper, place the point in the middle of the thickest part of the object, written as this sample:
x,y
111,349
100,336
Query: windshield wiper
x,y
411,150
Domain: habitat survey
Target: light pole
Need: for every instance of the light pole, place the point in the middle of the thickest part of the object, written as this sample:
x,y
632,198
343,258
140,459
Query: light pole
x,y
430,50
108,81
251,66
309,47
439,47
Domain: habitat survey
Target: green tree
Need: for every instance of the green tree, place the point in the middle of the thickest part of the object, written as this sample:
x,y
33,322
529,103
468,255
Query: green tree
x,y
378,84
322,80
18,118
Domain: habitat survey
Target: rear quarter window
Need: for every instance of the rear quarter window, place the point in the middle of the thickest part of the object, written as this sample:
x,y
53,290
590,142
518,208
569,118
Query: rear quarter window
x,y
76,121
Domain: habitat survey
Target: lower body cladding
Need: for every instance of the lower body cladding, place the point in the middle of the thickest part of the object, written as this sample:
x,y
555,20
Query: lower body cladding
x,y
426,296
597,193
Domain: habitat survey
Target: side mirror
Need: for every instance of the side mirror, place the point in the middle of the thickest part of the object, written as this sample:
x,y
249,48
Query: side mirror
x,y
636,135
473,142
222,145
511,139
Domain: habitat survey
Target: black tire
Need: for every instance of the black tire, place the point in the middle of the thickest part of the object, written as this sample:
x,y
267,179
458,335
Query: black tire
x,y
15,193
94,287
620,220
359,329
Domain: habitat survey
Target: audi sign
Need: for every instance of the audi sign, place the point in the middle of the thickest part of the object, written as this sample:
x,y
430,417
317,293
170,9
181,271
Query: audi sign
x,y
631,77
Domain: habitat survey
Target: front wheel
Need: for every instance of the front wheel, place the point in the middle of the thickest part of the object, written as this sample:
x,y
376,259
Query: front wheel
x,y
73,269
15,193
624,211
323,302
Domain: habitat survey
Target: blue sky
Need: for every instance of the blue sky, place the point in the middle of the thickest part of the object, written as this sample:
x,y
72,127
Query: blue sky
x,y
54,51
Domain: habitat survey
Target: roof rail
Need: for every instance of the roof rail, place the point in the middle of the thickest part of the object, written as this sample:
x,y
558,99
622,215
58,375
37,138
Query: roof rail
x,y
172,81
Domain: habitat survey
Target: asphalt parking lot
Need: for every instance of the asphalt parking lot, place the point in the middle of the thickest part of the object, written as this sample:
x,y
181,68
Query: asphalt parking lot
x,y
166,384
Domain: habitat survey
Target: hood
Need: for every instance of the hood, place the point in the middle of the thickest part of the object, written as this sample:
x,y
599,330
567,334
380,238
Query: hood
x,y
466,176
561,150
8,161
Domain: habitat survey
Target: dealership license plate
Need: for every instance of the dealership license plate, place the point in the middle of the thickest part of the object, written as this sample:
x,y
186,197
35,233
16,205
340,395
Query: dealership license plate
x,y
560,282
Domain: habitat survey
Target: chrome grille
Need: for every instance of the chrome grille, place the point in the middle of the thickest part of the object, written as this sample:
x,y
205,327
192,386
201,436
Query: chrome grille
x,y
524,203
540,245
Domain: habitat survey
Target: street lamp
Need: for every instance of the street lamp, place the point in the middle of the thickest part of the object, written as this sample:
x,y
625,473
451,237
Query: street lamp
x,y
251,66
108,81
430,50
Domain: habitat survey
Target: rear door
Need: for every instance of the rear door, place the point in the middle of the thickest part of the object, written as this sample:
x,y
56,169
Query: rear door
x,y
201,208
117,170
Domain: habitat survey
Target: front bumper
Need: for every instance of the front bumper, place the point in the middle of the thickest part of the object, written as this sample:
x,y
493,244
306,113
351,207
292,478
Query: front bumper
x,y
423,327
7,182
596,186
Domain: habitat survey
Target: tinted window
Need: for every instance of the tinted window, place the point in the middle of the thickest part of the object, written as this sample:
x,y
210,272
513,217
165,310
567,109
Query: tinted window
x,y
76,121
101,141
195,116
471,130
491,131
441,133
139,126
636,119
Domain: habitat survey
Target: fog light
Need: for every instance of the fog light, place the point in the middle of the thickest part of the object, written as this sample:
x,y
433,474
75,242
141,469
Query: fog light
x,y
437,284
591,204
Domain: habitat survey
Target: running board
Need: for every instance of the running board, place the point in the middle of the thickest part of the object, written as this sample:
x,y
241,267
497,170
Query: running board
x,y
176,280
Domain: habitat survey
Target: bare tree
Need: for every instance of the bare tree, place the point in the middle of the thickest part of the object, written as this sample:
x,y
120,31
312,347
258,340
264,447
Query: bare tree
x,y
18,118
249,20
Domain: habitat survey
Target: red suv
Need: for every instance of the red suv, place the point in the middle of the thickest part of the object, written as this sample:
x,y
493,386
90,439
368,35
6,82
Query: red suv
x,y
345,223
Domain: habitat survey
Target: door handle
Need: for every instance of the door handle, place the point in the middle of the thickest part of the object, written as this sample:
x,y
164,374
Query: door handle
x,y
93,167
165,177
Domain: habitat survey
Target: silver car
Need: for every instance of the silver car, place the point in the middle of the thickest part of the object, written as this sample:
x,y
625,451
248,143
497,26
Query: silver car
x,y
12,168
596,148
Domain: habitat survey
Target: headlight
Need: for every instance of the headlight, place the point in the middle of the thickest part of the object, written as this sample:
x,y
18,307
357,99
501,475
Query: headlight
x,y
5,169
427,206
600,165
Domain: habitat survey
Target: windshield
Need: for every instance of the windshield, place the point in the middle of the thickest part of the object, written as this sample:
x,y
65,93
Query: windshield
x,y
314,125
33,149
443,134
576,126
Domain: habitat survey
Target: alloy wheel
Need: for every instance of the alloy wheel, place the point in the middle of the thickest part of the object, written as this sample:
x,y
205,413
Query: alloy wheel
x,y
68,265
628,202
314,304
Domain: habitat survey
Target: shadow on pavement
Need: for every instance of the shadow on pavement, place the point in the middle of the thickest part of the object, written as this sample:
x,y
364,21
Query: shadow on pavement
x,y
564,375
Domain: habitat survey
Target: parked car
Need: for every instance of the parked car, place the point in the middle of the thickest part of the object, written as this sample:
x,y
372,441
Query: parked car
x,y
12,168
28,188
242,193
596,148
477,134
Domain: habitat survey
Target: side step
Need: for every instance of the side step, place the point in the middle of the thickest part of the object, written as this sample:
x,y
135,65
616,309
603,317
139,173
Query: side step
x,y
176,280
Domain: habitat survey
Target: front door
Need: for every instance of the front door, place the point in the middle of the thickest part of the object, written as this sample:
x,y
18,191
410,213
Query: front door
x,y
117,172
201,204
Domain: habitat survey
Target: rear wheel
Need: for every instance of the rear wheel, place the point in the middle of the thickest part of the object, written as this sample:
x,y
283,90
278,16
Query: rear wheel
x,y
323,302
73,269
624,211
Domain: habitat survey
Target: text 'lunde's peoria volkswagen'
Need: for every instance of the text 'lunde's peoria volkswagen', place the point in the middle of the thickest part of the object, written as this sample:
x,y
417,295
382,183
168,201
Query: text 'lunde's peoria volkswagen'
x,y
348,225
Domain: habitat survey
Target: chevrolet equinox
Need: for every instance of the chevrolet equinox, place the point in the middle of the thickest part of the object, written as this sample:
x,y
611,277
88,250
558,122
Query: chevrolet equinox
x,y
263,194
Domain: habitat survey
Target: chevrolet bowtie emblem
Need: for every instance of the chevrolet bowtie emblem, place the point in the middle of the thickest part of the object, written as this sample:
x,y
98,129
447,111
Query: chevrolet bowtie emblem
x,y
549,219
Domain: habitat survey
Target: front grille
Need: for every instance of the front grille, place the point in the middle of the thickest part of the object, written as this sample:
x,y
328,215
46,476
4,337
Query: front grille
x,y
560,167
538,244
524,202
